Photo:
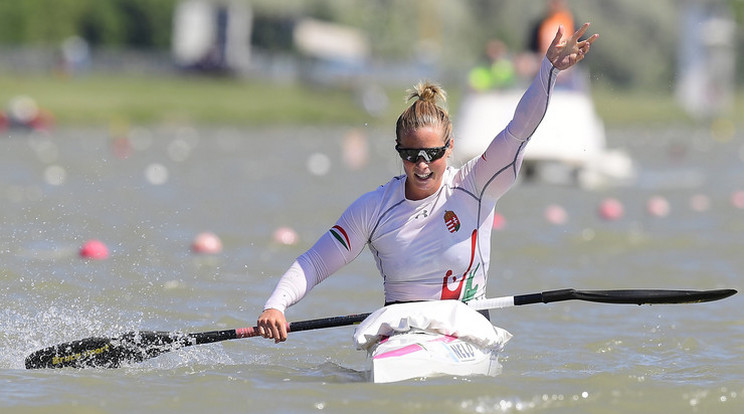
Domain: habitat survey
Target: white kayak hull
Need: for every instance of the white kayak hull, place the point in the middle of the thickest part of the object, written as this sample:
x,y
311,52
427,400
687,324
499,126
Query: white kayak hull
x,y
414,355
429,339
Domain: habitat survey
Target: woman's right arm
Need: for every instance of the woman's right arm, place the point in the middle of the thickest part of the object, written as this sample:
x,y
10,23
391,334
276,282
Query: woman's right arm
x,y
337,247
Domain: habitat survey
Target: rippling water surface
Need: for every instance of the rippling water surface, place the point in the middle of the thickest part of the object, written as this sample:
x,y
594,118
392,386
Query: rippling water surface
x,y
61,189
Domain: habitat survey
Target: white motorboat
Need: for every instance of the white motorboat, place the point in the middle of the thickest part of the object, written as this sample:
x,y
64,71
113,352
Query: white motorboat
x,y
429,339
568,147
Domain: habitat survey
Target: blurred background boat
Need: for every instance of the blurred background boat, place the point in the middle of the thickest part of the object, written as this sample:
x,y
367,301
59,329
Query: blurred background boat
x,y
569,147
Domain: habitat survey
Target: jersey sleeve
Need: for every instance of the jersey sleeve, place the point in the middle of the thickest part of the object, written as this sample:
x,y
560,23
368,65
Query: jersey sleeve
x,y
341,244
496,170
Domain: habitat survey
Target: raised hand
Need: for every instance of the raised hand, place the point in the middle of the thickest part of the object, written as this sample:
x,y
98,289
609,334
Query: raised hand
x,y
565,53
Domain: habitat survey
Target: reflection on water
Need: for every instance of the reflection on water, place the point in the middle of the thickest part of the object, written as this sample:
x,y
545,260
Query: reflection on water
x,y
148,196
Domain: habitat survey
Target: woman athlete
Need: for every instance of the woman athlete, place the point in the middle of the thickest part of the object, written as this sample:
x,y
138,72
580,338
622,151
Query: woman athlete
x,y
430,229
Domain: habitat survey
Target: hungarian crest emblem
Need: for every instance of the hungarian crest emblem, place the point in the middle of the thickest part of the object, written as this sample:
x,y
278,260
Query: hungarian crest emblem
x,y
451,220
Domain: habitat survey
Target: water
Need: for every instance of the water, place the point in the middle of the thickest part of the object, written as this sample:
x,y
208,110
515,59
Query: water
x,y
62,189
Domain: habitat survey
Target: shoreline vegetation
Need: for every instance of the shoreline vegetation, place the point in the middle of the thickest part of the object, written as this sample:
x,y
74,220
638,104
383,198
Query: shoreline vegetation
x,y
101,99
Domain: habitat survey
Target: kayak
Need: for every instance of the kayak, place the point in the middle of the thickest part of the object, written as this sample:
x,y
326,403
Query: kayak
x,y
425,355
429,339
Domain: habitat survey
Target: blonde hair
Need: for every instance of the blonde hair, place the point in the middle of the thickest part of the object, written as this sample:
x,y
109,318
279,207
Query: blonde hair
x,y
425,111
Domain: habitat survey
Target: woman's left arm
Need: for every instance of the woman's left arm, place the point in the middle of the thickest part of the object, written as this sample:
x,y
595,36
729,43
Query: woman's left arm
x,y
497,169
561,55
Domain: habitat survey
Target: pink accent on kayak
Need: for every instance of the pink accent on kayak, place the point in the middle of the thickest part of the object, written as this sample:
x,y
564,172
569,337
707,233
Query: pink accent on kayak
x,y
409,349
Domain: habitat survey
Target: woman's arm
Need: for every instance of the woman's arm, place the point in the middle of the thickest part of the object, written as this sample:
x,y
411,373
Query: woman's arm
x,y
338,246
497,169
561,55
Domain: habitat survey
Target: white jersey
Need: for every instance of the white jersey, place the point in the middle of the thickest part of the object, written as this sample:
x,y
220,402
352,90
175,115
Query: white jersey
x,y
430,249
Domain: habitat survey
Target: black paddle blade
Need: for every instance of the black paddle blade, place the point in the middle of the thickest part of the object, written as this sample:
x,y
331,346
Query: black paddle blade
x,y
652,296
97,352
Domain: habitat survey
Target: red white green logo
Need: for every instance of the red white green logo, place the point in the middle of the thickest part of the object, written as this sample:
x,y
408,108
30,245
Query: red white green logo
x,y
451,220
340,234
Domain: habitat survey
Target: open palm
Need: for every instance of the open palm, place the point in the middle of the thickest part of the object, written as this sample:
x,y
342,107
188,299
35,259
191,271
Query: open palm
x,y
565,53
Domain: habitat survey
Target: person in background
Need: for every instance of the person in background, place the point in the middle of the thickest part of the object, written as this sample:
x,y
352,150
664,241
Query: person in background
x,y
557,14
429,229
497,71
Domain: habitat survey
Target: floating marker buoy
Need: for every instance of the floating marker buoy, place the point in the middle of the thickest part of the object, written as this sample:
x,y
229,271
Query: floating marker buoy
x,y
611,209
737,199
658,206
207,243
286,236
556,214
355,150
94,249
499,222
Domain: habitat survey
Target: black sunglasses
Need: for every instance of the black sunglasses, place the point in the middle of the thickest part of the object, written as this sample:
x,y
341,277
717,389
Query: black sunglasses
x,y
428,154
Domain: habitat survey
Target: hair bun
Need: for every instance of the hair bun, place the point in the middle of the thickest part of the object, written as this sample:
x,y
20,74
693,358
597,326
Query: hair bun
x,y
428,92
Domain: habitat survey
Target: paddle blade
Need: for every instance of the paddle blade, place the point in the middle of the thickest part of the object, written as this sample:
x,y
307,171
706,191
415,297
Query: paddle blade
x,y
652,296
617,296
108,352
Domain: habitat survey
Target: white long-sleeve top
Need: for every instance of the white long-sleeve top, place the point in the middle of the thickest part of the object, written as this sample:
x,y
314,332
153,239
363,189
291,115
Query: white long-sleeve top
x,y
435,248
